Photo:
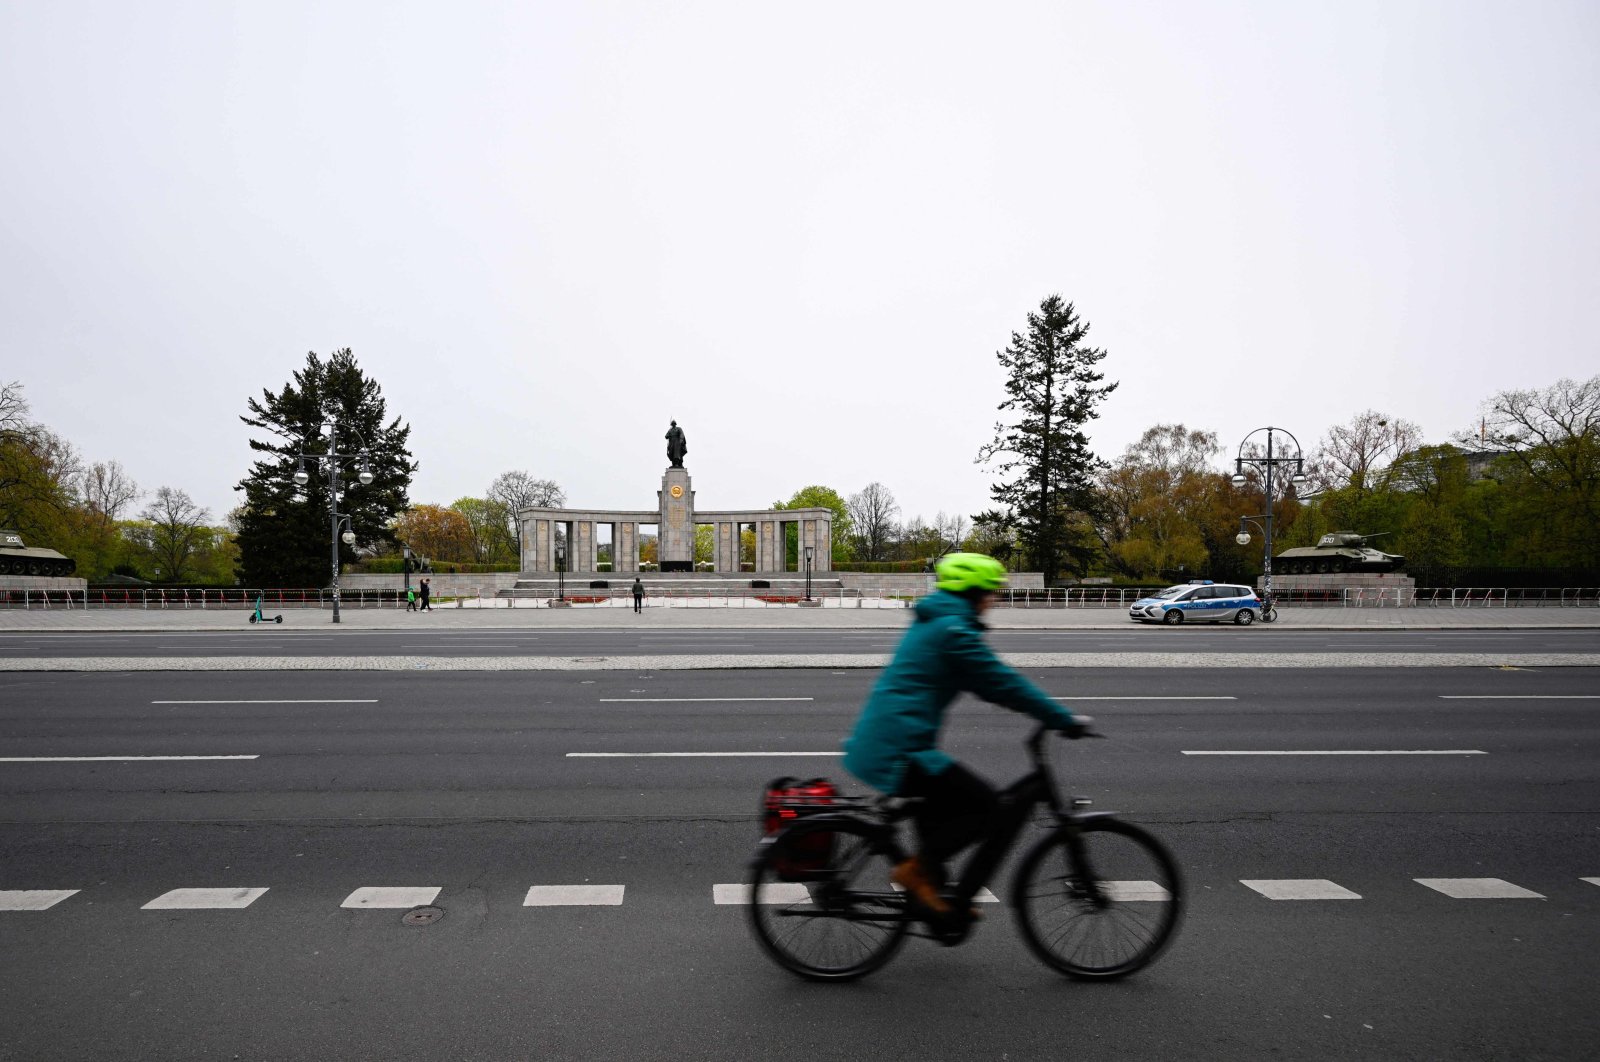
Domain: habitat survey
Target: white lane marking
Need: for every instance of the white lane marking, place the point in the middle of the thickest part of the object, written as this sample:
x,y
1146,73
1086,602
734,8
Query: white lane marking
x,y
1299,889
1150,698
1592,881
33,899
574,896
1519,696
696,700
985,896
391,896
1334,752
204,899
782,892
1135,891
464,645
1479,888
318,700
686,755
113,759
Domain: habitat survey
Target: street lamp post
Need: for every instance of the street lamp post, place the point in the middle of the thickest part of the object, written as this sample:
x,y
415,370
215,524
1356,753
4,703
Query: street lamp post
x,y
809,550
1267,465
561,573
333,463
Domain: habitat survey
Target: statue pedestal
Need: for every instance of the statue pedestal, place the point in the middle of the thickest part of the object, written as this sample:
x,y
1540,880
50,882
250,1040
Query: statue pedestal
x,y
676,543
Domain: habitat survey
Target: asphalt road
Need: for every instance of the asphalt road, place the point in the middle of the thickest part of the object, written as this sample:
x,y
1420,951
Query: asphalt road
x,y
520,642
467,783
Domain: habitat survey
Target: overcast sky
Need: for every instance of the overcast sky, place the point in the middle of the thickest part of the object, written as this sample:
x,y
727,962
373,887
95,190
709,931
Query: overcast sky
x,y
802,230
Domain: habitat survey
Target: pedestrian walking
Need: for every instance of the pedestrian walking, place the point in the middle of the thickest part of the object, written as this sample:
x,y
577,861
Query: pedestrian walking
x,y
411,599
427,596
638,594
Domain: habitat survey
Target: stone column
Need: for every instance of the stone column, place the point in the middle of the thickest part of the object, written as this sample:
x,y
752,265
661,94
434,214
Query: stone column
x,y
581,557
677,521
824,546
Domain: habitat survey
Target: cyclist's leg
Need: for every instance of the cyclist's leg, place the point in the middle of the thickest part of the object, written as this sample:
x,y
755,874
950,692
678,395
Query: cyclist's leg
x,y
956,808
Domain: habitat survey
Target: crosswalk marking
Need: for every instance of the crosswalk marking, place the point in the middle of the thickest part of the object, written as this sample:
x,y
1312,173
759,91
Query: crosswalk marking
x,y
204,899
574,896
390,896
33,899
1479,889
1299,889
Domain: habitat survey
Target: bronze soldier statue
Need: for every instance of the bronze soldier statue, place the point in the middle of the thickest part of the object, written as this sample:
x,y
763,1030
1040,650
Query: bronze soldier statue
x,y
677,445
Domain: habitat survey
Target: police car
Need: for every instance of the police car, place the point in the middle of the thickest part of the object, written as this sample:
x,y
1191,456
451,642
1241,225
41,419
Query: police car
x,y
1202,601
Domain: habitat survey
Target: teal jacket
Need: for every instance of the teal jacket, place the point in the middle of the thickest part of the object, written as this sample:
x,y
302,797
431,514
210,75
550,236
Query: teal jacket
x,y
942,655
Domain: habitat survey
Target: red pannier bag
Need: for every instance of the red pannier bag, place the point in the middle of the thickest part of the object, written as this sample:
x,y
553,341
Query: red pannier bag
x,y
787,801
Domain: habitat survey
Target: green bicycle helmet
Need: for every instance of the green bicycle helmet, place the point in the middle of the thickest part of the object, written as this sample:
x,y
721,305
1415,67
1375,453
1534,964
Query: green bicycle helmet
x,y
969,571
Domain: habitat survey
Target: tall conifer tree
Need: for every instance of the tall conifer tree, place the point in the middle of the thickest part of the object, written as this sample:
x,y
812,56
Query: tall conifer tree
x,y
1046,465
284,530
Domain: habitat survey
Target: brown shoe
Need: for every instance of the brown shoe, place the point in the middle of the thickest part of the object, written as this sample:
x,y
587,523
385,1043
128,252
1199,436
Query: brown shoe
x,y
910,876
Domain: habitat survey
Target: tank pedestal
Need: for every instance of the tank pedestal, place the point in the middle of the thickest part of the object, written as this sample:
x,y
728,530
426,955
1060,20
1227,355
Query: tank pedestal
x,y
43,582
1359,589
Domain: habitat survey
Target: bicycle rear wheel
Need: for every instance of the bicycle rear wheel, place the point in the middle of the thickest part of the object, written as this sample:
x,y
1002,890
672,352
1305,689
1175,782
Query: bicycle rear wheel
x,y
1098,905
835,923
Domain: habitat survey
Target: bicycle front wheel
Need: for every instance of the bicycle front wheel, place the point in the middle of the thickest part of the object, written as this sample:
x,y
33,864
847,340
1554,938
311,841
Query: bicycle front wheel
x,y
1098,900
833,916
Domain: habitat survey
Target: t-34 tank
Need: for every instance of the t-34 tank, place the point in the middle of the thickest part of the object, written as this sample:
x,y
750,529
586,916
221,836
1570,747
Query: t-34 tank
x,y
17,559
1340,551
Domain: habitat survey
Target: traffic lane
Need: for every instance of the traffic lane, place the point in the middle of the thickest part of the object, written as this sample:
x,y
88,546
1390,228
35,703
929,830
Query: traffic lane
x,y
688,641
1401,973
442,746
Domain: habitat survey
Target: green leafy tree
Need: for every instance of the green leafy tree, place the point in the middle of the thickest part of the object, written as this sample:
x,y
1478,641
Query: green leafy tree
x,y
488,526
284,531
37,469
1044,459
173,534
820,497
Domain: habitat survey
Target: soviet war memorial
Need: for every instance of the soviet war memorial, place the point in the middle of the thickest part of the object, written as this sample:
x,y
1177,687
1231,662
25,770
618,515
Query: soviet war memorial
x,y
709,532
552,537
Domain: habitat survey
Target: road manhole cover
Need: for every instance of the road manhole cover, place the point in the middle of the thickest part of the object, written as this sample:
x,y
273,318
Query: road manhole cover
x,y
422,916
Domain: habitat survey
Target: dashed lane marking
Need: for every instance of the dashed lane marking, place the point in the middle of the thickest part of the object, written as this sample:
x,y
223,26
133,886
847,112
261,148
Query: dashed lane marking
x,y
789,892
1592,881
1299,889
1135,891
1519,696
33,899
696,700
113,759
319,700
574,896
391,897
204,900
1149,698
688,755
1479,889
1334,752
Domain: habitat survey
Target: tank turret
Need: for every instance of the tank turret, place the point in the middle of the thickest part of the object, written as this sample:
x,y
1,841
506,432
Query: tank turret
x,y
18,559
1337,551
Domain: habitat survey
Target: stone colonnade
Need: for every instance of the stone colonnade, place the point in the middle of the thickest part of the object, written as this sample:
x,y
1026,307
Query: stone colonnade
x,y
581,532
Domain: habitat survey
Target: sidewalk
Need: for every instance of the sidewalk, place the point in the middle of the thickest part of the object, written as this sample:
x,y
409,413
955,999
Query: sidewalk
x,y
777,618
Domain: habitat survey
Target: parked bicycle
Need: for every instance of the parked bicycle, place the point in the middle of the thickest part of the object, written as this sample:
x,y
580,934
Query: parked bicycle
x,y
1095,898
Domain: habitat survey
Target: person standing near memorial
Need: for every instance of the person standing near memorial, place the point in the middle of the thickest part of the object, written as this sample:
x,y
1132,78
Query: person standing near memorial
x,y
427,595
638,594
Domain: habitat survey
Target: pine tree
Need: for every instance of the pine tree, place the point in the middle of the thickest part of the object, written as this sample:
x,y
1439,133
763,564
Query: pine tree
x,y
285,530
1054,389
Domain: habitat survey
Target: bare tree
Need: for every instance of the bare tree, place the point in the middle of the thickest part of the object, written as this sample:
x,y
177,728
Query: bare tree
x,y
106,488
952,530
872,517
177,532
37,466
1354,454
517,490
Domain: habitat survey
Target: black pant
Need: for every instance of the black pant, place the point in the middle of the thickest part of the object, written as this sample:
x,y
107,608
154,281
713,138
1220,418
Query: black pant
x,y
638,601
957,809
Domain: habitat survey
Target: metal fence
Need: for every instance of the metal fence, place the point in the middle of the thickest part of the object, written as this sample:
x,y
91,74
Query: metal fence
x,y
1075,597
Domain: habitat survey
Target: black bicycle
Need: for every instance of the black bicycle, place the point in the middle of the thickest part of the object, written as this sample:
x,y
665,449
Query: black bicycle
x,y
1095,898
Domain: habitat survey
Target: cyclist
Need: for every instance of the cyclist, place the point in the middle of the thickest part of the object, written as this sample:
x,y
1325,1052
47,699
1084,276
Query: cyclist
x,y
894,747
